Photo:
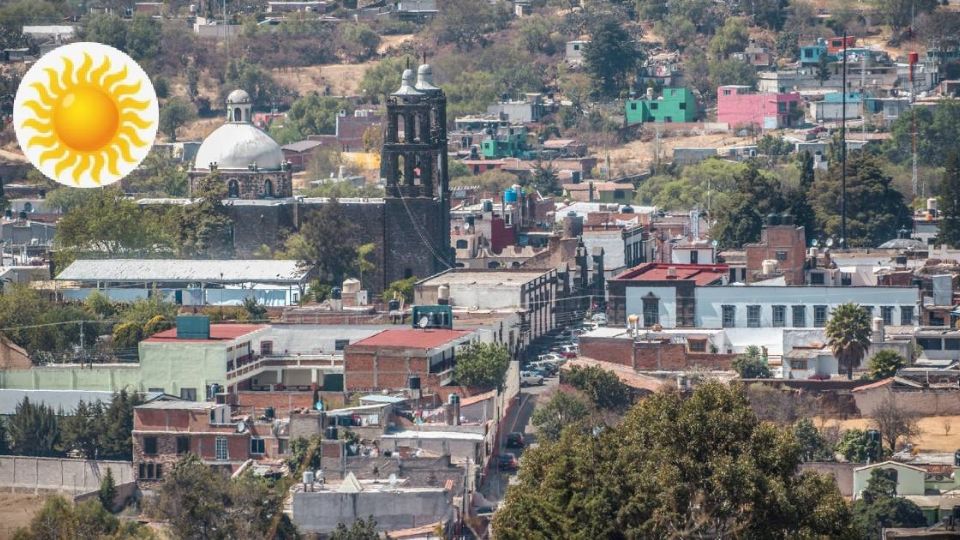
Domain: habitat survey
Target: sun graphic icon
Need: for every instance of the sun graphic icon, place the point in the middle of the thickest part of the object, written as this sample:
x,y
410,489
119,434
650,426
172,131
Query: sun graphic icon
x,y
85,115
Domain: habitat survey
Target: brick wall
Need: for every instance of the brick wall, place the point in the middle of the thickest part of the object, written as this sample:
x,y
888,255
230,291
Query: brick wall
x,y
785,238
375,369
614,350
283,402
651,356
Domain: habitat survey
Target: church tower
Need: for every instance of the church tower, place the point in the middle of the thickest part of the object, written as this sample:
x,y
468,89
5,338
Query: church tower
x,y
413,165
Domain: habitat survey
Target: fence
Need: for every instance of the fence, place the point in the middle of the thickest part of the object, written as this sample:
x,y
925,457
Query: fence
x,y
72,476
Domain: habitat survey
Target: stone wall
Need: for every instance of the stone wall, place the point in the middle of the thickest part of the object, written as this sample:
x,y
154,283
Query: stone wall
x,y
320,512
926,402
73,476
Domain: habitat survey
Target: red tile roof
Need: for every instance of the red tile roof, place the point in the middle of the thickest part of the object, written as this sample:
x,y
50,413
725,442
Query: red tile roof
x,y
701,274
218,332
412,338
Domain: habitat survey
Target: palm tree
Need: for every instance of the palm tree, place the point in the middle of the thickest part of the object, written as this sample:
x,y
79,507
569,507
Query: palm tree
x,y
848,333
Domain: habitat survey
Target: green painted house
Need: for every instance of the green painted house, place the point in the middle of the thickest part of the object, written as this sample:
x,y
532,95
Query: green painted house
x,y
506,141
673,105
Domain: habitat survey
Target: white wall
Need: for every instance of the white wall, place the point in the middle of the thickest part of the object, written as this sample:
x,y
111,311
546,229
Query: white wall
x,y
682,256
668,303
612,243
485,296
709,300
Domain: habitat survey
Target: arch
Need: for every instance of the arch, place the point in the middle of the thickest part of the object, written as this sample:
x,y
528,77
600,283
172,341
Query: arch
x,y
462,244
233,189
268,188
515,264
493,264
237,114
28,206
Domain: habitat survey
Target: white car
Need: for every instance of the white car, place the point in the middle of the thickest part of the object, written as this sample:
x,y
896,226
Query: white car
x,y
530,379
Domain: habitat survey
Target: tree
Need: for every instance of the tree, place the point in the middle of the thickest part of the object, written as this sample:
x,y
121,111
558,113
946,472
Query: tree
x,y
33,430
314,114
563,410
205,230
361,529
694,466
263,90
106,28
359,41
465,23
384,78
116,426
326,241
732,71
823,68
894,422
59,519
856,447
603,387
363,262
885,363
401,289
545,179
732,37
108,490
950,202
813,447
937,129
899,13
740,220
481,365
875,209
767,13
175,113
610,58
848,333
80,432
751,364
798,201
143,38
255,310
879,507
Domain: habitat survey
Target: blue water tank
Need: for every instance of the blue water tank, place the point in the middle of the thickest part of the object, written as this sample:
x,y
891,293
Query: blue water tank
x,y
510,196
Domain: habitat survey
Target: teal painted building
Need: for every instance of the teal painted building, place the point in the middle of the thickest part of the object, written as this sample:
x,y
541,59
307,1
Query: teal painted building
x,y
673,105
506,141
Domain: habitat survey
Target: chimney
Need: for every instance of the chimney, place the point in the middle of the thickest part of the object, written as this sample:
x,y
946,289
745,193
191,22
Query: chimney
x,y
878,331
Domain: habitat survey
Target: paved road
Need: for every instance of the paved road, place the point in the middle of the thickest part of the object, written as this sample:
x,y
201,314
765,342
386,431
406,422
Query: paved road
x,y
518,420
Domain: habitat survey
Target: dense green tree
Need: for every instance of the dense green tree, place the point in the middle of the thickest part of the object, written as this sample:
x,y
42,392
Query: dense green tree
x,y
157,176
856,447
361,529
732,37
108,490
732,71
563,410
143,38
751,364
879,507
80,432
327,241
899,13
60,520
545,178
116,426
886,363
264,91
875,210
255,310
401,288
798,201
358,41
34,430
106,28
651,10
466,23
677,466
823,69
766,13
848,333
384,78
314,114
603,387
678,33
174,114
813,447
741,220
205,231
481,365
611,57
950,202
937,128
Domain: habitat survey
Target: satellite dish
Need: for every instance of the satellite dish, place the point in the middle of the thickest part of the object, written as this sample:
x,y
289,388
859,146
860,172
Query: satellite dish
x,y
714,243
814,242
829,242
424,322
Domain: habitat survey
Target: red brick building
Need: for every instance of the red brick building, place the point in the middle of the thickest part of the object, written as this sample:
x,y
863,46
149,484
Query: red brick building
x,y
784,243
655,354
165,431
388,359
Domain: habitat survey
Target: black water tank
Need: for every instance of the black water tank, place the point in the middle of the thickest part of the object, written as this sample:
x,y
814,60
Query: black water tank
x,y
413,382
393,305
269,413
336,293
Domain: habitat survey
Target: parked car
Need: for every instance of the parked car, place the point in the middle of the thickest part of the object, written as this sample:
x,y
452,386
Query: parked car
x,y
515,440
528,378
507,461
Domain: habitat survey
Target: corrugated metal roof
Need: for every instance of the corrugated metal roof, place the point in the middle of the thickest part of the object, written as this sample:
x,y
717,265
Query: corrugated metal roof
x,y
185,270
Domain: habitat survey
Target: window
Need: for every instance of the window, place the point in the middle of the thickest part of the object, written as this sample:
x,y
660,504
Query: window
x,y
726,92
654,106
697,345
151,471
282,446
233,189
753,316
887,313
819,316
257,446
651,310
150,446
341,344
781,255
683,106
816,278
930,344
267,188
808,53
694,256
729,316
779,316
462,244
221,449
846,279
906,315
28,207
799,316
183,445
576,46
157,390
951,344
266,348
188,394
869,310
633,106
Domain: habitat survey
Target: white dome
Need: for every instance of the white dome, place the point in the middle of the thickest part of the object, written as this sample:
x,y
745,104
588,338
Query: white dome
x,y
236,146
238,96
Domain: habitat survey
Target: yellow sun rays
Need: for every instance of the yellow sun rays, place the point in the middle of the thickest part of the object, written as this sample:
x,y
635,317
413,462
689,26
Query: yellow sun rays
x,y
88,122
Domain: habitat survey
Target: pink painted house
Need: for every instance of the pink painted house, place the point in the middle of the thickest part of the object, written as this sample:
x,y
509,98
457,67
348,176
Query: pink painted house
x,y
740,106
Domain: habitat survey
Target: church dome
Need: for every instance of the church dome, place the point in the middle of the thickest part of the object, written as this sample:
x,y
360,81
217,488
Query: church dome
x,y
238,144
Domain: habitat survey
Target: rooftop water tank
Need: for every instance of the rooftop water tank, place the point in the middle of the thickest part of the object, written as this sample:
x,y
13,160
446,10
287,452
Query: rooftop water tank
x,y
510,195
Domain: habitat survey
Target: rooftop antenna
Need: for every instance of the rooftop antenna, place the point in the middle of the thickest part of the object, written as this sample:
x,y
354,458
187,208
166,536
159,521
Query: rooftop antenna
x,y
843,148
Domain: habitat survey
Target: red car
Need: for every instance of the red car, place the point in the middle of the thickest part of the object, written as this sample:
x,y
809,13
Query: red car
x,y
507,461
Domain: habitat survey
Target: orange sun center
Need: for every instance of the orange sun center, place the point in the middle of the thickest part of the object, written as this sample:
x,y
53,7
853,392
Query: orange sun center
x,y
86,118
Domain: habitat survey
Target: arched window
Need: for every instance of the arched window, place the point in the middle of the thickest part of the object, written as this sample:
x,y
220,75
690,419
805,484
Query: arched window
x,y
462,244
233,189
267,188
237,114
27,207
493,264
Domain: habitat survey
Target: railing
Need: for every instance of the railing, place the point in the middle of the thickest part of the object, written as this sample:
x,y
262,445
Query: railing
x,y
306,360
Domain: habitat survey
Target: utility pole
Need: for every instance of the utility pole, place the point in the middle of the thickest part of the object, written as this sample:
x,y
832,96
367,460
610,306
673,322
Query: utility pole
x,y
843,151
